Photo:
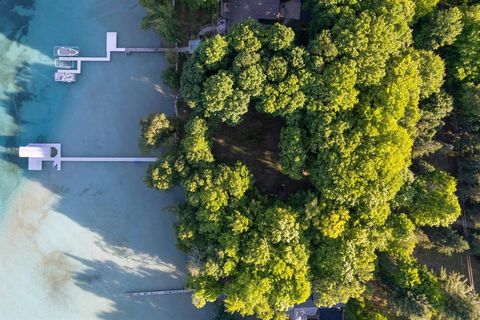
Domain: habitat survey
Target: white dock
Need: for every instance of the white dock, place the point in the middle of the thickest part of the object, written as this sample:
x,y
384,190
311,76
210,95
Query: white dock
x,y
37,153
156,293
111,46
107,159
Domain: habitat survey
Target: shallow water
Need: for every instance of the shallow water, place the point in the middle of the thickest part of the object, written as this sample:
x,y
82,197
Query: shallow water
x,y
72,242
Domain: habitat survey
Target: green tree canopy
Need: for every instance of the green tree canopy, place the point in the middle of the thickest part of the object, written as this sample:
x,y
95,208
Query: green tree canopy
x,y
470,100
465,54
156,129
432,112
461,300
432,72
444,240
161,17
356,310
424,7
195,4
235,80
294,151
348,101
258,247
195,145
433,200
439,29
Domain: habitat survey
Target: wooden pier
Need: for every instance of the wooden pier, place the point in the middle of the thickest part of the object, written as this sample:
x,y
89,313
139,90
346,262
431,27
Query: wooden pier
x,y
156,293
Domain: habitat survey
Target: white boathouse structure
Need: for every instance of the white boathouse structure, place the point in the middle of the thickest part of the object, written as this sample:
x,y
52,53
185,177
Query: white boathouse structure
x,y
38,153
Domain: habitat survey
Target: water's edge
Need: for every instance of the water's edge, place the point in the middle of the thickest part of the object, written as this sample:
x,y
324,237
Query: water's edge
x,y
72,242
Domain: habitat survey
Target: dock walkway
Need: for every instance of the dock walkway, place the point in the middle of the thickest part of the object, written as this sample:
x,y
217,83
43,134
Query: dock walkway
x,y
156,293
107,159
38,153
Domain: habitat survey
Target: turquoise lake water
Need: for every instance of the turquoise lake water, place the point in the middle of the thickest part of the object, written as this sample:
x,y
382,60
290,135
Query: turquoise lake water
x,y
73,242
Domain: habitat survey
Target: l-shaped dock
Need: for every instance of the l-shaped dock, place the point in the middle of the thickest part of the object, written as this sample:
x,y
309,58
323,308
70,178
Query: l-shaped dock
x,y
112,46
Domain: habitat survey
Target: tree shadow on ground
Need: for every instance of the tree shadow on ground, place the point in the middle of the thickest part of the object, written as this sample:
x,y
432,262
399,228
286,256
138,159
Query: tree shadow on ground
x,y
255,142
106,279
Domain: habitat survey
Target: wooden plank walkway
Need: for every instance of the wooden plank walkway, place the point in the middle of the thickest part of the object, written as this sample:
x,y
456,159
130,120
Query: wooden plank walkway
x,y
156,292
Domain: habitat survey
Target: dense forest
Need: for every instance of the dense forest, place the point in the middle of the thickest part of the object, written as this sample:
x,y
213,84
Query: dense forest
x,y
361,95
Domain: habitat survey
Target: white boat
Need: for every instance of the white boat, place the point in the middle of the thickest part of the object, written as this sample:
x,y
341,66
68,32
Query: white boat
x,y
67,52
65,77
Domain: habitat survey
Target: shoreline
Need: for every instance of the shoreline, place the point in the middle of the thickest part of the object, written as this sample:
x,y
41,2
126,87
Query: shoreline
x,y
73,242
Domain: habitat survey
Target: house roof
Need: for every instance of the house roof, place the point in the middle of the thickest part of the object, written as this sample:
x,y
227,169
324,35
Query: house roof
x,y
240,10
330,313
308,309
291,9
34,152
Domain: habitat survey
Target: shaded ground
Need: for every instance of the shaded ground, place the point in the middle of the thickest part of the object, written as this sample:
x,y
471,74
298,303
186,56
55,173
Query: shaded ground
x,y
255,143
430,257
457,262
379,299
442,160
191,21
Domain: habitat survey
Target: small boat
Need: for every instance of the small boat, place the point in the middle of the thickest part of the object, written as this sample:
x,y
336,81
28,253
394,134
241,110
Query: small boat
x,y
62,64
65,77
67,52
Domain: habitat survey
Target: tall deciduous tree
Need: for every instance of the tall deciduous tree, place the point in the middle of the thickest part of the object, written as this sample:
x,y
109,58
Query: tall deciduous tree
x,y
433,202
156,129
432,112
465,54
439,29
424,7
196,145
294,151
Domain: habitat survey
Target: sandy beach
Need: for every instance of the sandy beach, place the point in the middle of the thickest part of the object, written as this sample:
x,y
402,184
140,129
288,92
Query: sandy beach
x,y
73,242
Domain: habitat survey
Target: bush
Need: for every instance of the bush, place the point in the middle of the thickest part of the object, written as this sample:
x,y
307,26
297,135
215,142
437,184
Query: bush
x,y
356,310
410,306
156,129
171,77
